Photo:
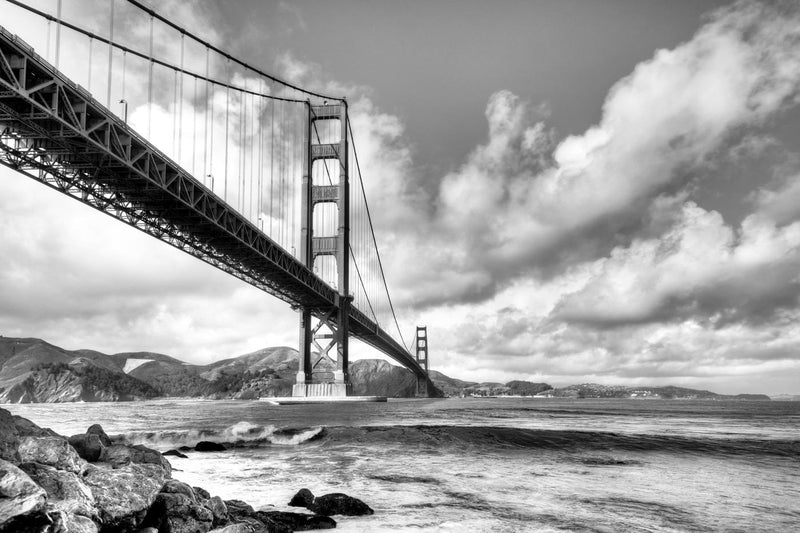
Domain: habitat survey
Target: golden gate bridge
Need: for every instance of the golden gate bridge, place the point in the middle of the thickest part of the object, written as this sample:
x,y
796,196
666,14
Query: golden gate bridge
x,y
140,118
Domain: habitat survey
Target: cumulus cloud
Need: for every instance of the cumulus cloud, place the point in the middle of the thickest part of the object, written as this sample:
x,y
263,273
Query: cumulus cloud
x,y
520,204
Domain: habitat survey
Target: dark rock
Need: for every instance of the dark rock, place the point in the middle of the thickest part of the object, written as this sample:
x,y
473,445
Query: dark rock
x,y
202,493
65,490
296,521
235,528
218,509
176,512
88,445
26,428
185,448
119,455
239,509
207,446
22,502
97,429
303,498
52,451
176,453
9,437
341,504
173,486
64,522
123,495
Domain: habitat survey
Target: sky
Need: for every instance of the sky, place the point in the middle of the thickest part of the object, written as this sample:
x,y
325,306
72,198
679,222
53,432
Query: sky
x,y
568,191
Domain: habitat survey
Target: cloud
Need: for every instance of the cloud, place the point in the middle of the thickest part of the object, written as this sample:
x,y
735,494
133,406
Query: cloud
x,y
701,269
521,206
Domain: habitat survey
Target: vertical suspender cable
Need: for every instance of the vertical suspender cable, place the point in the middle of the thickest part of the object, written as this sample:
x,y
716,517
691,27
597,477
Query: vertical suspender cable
x,y
194,125
110,55
124,68
89,80
271,161
205,124
260,148
58,34
47,53
227,111
180,108
211,139
175,113
150,84
242,121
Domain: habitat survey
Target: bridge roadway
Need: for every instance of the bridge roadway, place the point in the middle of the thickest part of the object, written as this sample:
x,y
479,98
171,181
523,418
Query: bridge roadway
x,y
54,131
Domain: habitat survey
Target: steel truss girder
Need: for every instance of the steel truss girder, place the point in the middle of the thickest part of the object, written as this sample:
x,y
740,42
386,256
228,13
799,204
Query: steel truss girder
x,y
55,132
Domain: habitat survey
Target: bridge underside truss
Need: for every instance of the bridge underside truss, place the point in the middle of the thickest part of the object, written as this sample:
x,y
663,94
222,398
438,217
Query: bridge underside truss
x,y
55,132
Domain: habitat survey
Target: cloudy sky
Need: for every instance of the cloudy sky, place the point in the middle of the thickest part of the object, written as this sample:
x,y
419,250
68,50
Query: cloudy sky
x,y
568,191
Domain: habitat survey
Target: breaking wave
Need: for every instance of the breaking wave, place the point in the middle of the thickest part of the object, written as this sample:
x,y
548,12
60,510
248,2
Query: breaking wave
x,y
241,434
563,440
247,434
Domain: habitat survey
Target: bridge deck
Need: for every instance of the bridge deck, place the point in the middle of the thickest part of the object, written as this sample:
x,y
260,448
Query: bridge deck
x,y
55,132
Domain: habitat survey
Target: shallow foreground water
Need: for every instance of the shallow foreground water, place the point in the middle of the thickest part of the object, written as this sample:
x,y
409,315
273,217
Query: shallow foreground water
x,y
510,464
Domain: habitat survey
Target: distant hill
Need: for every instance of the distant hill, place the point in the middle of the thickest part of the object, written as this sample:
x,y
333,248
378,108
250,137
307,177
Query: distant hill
x,y
32,370
593,390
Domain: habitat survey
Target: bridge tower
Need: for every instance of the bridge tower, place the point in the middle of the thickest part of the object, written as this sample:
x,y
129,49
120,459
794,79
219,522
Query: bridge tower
x,y
324,354
421,346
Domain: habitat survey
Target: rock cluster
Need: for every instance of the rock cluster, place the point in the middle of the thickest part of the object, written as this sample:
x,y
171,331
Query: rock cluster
x,y
89,484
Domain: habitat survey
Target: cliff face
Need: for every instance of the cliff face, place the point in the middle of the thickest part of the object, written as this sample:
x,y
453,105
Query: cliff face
x,y
78,381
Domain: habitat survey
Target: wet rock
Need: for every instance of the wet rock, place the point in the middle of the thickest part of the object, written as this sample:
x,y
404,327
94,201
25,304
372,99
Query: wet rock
x,y
118,455
201,493
235,528
22,502
176,453
51,451
341,504
97,429
88,446
173,486
66,492
124,494
296,521
69,523
239,509
218,509
303,498
207,446
185,448
26,428
9,437
177,512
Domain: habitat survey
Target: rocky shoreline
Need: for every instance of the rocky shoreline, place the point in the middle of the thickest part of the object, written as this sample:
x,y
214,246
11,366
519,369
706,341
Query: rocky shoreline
x,y
88,483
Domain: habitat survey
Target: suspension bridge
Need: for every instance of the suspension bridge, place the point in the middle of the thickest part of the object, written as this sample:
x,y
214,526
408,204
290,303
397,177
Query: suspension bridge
x,y
140,118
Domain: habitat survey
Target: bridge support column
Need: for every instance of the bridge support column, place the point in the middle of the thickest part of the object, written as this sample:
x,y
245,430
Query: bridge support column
x,y
421,347
319,373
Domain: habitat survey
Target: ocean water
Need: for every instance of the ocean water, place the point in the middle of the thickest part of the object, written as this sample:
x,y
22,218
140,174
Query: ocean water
x,y
504,464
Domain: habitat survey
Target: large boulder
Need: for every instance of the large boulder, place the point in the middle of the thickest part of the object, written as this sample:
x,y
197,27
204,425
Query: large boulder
x,y
26,428
341,504
330,504
88,446
97,429
176,509
22,502
119,455
64,522
65,490
208,446
124,494
303,498
9,437
51,451
235,528
295,521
